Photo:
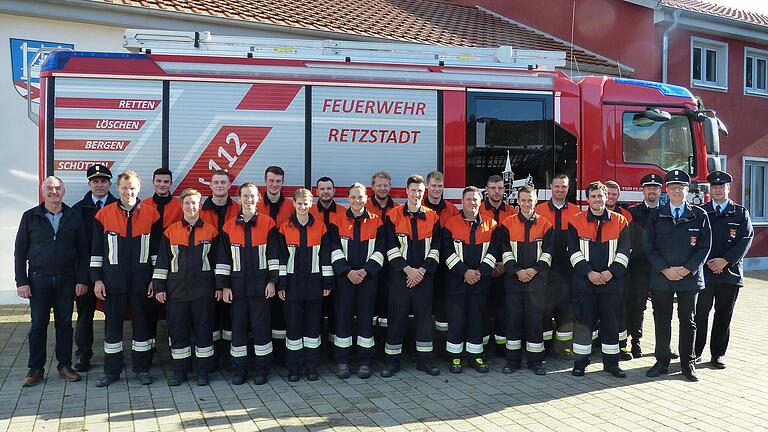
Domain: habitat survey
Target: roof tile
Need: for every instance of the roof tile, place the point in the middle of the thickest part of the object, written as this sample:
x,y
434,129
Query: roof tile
x,y
718,10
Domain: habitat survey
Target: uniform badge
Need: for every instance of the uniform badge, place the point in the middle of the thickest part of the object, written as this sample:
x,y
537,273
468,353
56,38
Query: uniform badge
x,y
732,233
693,240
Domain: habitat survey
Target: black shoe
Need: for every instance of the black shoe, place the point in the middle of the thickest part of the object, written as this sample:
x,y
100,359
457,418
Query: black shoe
x,y
674,355
698,359
260,380
177,379
312,375
293,376
510,368
343,371
479,365
364,372
690,374
106,380
538,369
144,378
717,363
657,370
428,368
239,378
637,352
615,371
625,355
202,378
389,370
82,364
456,367
577,371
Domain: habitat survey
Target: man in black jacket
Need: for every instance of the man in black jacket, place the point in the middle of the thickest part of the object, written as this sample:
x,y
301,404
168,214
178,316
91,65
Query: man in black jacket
x,y
99,182
677,241
732,235
51,263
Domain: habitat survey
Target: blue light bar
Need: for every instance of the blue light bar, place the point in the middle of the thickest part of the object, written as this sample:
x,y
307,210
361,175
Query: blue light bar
x,y
58,59
665,89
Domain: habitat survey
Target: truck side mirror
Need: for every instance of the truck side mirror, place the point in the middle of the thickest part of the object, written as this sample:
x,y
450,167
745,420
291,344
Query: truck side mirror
x,y
656,114
712,135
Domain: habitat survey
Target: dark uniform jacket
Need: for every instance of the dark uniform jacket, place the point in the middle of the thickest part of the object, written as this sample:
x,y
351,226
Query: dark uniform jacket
x,y
186,261
598,243
732,235
327,215
121,248
413,239
559,219
247,256
64,252
305,259
280,211
357,243
488,211
88,210
444,209
469,245
683,243
526,243
640,214
210,212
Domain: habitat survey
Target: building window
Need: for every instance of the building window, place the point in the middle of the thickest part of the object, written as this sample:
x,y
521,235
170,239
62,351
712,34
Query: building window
x,y
756,72
755,187
709,63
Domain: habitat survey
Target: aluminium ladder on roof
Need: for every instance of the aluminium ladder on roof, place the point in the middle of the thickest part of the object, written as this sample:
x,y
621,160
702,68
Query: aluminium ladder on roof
x,y
205,43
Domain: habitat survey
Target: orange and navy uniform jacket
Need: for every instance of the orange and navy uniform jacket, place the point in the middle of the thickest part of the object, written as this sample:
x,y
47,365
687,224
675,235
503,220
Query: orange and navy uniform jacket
x,y
304,259
488,211
559,219
247,257
186,261
121,248
445,210
469,245
169,209
327,215
373,207
624,212
526,243
413,239
598,243
210,214
357,243
280,211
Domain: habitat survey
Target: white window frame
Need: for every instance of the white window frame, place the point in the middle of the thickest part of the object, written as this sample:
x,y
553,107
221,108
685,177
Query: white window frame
x,y
721,51
761,161
723,162
756,54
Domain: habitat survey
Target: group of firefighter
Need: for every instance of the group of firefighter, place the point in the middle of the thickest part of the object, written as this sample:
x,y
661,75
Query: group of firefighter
x,y
254,279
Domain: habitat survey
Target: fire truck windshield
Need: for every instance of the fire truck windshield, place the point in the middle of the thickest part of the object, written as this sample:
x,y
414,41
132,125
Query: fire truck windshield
x,y
667,144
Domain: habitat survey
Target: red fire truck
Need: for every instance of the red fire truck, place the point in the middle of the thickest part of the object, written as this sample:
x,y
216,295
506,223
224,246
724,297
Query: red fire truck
x,y
195,102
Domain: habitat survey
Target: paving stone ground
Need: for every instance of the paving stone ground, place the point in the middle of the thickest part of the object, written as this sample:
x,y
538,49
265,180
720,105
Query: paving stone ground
x,y
734,399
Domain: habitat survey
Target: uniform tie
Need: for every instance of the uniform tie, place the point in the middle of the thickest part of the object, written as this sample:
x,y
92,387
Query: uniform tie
x,y
677,214
99,204
718,210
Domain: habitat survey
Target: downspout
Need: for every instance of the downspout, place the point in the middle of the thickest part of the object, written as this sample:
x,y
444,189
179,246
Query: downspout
x,y
665,47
